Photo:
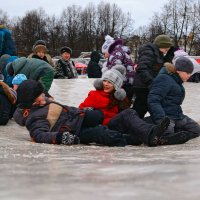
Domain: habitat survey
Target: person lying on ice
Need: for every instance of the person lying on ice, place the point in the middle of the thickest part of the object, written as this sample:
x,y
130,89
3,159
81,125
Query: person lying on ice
x,y
111,99
54,123
167,94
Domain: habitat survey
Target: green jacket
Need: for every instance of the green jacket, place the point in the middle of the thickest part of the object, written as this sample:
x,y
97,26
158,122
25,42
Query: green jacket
x,y
35,69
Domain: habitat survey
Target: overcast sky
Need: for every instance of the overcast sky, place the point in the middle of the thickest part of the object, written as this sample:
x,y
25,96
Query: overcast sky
x,y
141,10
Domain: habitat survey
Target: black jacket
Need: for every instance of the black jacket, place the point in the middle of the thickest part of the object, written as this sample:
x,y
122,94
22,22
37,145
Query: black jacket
x,y
39,127
94,69
150,61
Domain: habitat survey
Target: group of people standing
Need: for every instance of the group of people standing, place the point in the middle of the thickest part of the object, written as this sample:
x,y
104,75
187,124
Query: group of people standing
x,y
108,115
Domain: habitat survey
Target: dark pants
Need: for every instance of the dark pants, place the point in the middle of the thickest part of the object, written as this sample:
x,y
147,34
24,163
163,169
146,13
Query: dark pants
x,y
140,105
186,124
194,78
179,131
5,110
129,122
101,135
93,132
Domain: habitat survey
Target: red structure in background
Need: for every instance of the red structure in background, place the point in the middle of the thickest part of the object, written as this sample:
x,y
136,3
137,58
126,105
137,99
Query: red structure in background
x,y
81,68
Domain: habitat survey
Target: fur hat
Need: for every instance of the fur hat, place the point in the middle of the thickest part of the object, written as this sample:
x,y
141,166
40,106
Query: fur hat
x,y
163,41
108,41
184,64
116,77
39,42
18,79
66,49
39,48
27,92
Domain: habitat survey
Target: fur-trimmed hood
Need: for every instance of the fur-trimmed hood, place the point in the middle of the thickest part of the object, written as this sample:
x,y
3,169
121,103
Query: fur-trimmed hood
x,y
170,68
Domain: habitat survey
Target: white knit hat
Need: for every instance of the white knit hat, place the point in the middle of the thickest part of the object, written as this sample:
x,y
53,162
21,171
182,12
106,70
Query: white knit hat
x,y
108,41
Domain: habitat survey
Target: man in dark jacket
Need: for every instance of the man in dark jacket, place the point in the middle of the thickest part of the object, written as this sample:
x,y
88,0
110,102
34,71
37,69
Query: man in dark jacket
x,y
150,61
53,123
94,69
166,97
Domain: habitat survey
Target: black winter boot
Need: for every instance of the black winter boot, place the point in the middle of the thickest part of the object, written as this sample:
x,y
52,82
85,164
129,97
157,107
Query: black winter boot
x,y
156,132
180,137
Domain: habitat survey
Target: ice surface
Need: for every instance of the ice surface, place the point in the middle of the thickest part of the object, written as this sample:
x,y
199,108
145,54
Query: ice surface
x,y
31,171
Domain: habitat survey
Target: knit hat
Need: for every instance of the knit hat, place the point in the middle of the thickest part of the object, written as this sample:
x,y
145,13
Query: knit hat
x,y
40,42
18,79
27,92
163,41
108,41
184,64
66,49
39,48
116,77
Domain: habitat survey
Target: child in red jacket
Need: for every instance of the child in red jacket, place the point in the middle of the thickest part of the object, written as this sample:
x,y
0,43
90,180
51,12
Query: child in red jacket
x,y
111,99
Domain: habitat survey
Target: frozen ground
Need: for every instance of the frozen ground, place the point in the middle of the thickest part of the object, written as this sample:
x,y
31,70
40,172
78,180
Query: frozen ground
x,y
32,171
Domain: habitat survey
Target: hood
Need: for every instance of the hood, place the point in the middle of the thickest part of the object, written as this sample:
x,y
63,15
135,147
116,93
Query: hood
x,y
170,69
178,54
114,44
95,56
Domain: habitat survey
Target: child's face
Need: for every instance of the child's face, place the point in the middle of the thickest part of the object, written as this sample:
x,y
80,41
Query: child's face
x,y
41,100
15,87
184,75
164,50
106,55
40,54
108,87
66,56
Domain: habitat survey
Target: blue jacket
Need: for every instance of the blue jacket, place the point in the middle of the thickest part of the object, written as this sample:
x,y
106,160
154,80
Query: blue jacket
x,y
166,95
7,45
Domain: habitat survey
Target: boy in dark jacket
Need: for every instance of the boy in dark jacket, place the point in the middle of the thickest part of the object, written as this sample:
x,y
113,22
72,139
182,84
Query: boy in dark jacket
x,y
166,96
53,123
39,52
65,68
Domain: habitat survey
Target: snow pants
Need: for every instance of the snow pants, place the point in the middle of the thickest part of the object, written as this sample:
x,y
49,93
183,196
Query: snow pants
x,y
93,132
129,123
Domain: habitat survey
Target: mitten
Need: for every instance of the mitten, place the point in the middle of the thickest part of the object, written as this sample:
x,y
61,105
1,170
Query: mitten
x,y
69,139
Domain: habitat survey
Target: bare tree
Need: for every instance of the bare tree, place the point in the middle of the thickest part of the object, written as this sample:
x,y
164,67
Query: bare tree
x,y
29,29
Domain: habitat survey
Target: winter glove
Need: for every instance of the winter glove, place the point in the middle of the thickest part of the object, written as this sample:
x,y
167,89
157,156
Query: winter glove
x,y
69,139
